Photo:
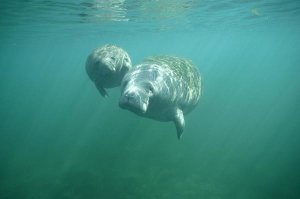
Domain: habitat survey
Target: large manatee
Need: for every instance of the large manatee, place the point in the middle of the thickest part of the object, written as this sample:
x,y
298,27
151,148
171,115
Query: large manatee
x,y
106,66
164,88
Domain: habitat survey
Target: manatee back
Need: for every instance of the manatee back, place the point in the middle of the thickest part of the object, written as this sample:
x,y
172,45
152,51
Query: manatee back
x,y
185,79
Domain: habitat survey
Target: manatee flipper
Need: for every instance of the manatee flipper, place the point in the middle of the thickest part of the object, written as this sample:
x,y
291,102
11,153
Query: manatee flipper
x,y
101,90
179,122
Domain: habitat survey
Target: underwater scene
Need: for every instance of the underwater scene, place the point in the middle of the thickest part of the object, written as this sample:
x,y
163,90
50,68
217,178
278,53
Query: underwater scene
x,y
63,136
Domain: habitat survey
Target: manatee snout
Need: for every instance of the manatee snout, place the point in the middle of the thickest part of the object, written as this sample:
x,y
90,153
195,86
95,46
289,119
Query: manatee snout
x,y
133,101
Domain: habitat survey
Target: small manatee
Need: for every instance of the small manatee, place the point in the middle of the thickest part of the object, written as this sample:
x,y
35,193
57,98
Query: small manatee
x,y
106,67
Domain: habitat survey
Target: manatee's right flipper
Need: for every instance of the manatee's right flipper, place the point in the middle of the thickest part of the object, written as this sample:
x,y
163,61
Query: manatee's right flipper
x,y
179,122
101,90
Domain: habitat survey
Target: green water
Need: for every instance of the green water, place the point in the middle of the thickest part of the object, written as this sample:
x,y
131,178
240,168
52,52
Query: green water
x,y
60,139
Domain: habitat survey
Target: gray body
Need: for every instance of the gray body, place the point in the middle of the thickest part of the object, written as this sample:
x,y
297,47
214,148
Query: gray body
x,y
163,88
106,66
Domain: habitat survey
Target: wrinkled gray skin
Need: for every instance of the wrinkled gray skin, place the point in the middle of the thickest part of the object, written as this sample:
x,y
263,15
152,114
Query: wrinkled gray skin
x,y
162,88
106,66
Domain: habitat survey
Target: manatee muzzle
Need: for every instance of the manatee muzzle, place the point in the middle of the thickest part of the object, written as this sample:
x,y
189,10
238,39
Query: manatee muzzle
x,y
134,102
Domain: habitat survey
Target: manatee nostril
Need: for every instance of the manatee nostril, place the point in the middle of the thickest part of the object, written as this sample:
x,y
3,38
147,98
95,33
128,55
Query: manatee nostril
x,y
130,95
128,99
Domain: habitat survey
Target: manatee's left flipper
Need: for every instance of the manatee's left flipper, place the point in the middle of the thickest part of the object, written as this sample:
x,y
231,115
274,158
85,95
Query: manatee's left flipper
x,y
101,90
179,122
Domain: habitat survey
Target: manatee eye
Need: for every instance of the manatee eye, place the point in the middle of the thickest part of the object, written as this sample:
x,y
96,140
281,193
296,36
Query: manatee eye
x,y
113,58
151,89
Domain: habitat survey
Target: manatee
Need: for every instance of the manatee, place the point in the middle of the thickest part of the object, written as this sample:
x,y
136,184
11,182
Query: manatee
x,y
106,66
163,88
